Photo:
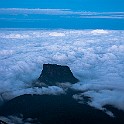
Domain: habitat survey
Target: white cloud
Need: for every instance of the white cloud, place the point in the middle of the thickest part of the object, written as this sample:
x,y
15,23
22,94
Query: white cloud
x,y
99,32
97,60
51,90
35,11
64,12
17,36
16,120
6,52
56,34
99,98
106,97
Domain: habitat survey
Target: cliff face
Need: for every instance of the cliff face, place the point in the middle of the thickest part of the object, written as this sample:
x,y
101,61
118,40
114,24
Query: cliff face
x,y
53,73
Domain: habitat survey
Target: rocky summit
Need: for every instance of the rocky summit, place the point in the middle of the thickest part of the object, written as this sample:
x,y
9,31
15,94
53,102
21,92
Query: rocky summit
x,y
53,73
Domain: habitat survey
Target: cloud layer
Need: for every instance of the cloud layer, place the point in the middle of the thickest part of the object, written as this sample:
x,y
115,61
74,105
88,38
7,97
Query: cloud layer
x,y
61,12
94,56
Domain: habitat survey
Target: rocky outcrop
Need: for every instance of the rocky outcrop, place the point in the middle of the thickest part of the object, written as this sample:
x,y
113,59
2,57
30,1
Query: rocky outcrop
x,y
53,73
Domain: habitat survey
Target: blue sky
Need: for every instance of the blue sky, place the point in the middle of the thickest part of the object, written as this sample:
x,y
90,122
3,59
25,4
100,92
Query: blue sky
x,y
74,14
86,5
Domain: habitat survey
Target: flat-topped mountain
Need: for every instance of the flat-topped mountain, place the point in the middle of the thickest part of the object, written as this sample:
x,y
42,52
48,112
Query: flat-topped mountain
x,y
53,73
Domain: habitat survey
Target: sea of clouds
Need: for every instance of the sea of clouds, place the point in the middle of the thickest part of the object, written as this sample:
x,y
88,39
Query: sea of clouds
x,y
96,57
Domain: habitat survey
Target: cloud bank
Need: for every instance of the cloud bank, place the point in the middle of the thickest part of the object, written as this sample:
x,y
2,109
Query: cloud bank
x,y
94,56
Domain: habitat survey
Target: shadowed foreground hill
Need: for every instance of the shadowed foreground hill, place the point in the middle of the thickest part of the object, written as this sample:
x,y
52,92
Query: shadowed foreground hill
x,y
61,109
